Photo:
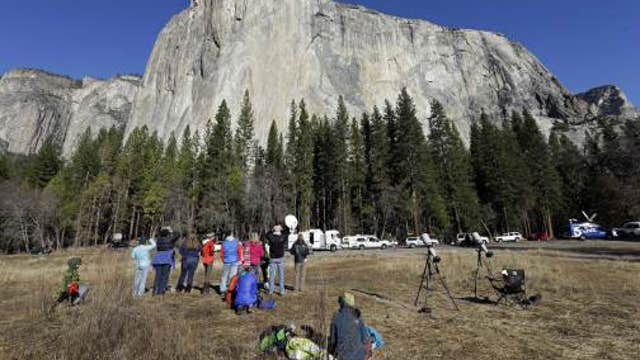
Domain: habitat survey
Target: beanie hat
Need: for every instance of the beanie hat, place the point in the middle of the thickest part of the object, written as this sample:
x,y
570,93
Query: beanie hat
x,y
348,299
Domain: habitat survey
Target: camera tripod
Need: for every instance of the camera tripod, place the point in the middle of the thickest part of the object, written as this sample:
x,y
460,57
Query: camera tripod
x,y
429,275
479,265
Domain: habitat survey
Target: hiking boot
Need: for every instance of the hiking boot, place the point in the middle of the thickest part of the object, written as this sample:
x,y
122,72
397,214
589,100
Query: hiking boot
x,y
188,289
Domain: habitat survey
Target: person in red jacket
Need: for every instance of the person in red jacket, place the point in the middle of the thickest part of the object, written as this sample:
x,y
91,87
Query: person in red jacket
x,y
256,252
208,255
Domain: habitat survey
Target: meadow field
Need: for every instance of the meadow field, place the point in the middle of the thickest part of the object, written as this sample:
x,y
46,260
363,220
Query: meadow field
x,y
590,308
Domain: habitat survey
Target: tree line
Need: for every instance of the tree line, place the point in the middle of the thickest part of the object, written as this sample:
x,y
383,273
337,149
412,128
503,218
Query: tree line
x,y
377,173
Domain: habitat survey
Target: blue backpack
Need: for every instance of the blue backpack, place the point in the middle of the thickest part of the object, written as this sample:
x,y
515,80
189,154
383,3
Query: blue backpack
x,y
375,337
266,304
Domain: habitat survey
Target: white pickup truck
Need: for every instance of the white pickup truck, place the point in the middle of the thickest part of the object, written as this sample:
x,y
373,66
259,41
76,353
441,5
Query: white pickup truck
x,y
415,241
362,242
511,236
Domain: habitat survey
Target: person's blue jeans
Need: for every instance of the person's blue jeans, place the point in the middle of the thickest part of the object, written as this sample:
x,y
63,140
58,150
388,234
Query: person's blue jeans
x,y
276,264
140,280
162,279
188,270
228,271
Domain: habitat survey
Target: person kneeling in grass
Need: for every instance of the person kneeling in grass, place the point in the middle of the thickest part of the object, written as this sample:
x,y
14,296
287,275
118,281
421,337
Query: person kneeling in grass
x,y
246,290
70,289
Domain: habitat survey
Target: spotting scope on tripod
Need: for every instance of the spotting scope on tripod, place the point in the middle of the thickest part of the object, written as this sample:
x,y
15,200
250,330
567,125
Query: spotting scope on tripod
x,y
429,275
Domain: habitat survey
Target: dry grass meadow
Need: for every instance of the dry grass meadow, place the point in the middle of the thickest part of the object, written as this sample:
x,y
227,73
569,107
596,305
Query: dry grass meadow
x,y
590,310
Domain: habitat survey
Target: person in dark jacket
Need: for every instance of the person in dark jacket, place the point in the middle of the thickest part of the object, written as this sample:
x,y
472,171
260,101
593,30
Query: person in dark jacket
x,y
278,240
300,251
164,260
348,339
190,253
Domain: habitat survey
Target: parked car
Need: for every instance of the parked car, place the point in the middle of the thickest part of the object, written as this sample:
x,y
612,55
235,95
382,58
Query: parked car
x,y
465,239
629,230
510,236
424,240
362,242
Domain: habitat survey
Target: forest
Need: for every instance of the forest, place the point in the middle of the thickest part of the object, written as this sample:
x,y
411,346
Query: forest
x,y
373,173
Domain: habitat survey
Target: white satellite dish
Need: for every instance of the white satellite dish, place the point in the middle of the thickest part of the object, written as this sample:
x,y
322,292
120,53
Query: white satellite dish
x,y
291,222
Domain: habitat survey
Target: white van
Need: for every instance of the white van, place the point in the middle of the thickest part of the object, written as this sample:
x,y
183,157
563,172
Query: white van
x,y
319,240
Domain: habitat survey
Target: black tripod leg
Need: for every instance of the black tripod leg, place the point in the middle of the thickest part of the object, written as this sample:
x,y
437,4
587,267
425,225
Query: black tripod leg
x,y
424,274
446,288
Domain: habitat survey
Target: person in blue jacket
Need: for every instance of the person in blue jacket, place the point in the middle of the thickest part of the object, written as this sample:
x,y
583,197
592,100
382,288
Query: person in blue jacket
x,y
246,296
164,260
348,339
231,255
190,253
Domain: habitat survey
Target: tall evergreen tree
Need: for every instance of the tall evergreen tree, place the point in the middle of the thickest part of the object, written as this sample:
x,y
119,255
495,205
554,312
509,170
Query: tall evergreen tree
x,y
244,139
304,166
455,173
356,173
46,164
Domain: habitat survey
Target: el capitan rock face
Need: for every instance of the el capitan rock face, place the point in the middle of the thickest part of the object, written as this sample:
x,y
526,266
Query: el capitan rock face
x,y
35,105
318,49
282,50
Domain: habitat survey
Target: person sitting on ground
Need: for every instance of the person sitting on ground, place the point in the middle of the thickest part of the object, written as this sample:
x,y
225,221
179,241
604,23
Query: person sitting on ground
x,y
278,241
300,251
231,255
246,290
141,255
208,256
256,253
164,260
348,339
303,346
70,289
274,339
190,252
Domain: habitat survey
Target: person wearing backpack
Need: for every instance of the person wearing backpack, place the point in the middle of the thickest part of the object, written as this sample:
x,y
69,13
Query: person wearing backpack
x,y
231,255
300,251
190,253
208,255
141,255
348,339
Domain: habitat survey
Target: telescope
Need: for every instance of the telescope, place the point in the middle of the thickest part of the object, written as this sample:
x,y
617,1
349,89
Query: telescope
x,y
431,251
482,247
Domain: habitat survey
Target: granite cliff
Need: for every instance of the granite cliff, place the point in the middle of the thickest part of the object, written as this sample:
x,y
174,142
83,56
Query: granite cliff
x,y
291,49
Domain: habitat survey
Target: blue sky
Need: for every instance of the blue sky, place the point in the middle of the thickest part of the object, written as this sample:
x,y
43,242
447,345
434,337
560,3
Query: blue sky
x,y
584,43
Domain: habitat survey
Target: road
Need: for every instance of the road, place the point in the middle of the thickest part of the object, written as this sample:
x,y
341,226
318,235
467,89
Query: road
x,y
590,249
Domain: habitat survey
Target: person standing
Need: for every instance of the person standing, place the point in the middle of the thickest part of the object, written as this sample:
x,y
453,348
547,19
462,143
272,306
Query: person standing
x,y
278,241
348,339
300,251
256,253
190,253
208,256
164,260
141,255
231,255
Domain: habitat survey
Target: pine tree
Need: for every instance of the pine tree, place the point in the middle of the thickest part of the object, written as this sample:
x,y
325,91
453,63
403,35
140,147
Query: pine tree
x,y
273,156
545,182
304,166
341,134
356,173
46,164
244,140
454,167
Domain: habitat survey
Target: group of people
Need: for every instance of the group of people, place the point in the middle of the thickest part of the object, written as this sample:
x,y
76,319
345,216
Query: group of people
x,y
242,262
349,338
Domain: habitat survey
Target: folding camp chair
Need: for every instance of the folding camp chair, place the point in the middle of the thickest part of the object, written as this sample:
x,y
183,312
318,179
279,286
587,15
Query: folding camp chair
x,y
511,288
